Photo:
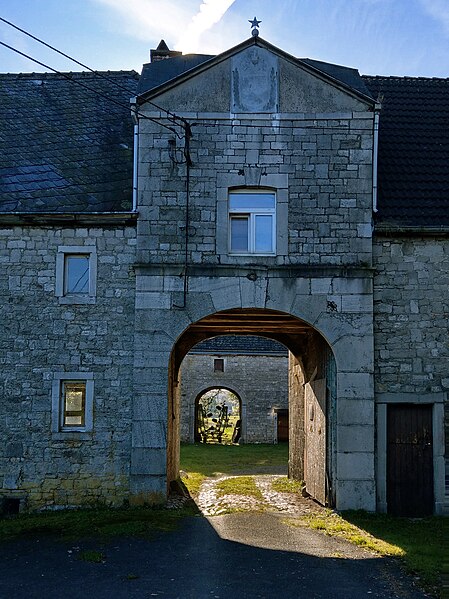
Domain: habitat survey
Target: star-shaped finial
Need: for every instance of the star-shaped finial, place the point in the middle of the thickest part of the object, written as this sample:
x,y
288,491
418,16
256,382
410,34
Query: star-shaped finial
x,y
254,26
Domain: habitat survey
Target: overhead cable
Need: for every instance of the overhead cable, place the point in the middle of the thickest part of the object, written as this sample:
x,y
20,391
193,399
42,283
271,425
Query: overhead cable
x,y
98,73
100,94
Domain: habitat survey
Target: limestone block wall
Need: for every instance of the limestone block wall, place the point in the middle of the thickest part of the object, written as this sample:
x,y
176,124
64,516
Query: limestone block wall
x,y
261,383
319,165
41,337
411,310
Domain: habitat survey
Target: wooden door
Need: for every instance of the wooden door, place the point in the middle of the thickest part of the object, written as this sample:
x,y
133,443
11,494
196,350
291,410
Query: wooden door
x,y
315,439
409,460
282,426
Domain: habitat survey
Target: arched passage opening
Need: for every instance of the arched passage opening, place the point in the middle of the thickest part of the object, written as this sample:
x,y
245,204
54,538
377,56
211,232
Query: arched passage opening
x,y
312,391
217,416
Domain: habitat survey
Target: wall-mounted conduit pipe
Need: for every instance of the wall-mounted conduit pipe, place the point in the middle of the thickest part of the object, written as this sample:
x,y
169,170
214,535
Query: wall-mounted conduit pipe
x,y
375,155
188,163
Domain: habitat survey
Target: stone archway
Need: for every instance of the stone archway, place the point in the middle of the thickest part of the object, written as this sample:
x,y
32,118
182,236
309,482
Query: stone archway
x,y
310,315
202,436
312,391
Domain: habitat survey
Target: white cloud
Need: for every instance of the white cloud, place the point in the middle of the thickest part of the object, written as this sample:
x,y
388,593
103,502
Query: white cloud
x,y
439,10
150,20
210,12
181,24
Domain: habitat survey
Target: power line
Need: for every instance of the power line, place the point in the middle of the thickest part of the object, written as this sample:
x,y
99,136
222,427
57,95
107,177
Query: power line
x,y
100,94
101,75
171,116
276,125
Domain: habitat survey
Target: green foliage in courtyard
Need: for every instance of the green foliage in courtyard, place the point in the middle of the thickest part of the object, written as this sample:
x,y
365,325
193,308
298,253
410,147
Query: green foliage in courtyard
x,y
287,485
211,460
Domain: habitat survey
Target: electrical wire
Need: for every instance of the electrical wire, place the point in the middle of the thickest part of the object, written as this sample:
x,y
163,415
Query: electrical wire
x,y
195,122
170,114
99,74
100,94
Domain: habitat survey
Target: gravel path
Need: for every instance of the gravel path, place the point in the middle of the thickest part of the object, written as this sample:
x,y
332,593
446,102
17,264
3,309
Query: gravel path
x,y
273,501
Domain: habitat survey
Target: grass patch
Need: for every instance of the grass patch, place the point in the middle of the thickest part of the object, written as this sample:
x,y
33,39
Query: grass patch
x,y
417,542
192,482
201,460
287,485
421,541
335,525
104,522
213,459
239,485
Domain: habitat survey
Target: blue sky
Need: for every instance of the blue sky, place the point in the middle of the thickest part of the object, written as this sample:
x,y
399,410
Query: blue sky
x,y
379,37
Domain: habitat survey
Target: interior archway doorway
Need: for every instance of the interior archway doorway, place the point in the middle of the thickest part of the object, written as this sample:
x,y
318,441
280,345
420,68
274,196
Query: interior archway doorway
x,y
218,416
312,391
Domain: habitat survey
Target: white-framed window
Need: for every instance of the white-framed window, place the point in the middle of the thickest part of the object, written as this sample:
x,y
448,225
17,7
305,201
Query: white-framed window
x,y
76,274
252,221
72,402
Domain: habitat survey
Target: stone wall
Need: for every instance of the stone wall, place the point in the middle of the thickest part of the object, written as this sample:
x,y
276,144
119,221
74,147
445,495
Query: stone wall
x,y
320,169
411,307
261,383
411,310
41,337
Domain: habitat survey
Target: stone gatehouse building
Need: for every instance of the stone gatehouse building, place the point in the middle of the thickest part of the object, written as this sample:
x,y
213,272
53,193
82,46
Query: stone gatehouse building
x,y
249,193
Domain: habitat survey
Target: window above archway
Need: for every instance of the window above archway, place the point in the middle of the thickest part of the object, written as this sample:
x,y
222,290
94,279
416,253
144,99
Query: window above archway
x,y
250,207
252,222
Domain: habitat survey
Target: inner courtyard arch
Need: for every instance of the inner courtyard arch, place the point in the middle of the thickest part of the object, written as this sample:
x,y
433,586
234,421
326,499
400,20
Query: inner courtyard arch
x,y
217,412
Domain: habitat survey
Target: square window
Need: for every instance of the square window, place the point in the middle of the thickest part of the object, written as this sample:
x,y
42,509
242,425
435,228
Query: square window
x,y
76,274
252,222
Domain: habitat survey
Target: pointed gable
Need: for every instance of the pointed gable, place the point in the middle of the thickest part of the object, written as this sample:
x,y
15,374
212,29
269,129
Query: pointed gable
x,y
253,77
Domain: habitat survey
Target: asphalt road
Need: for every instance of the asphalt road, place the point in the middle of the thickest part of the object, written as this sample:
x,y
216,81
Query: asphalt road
x,y
238,556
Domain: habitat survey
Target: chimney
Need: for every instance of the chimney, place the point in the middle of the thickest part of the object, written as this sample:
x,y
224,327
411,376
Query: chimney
x,y
162,52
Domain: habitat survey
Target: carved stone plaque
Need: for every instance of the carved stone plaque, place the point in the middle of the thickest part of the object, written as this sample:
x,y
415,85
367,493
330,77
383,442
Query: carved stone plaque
x,y
254,81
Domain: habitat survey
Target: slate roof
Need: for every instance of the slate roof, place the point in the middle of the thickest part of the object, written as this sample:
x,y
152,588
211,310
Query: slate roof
x,y
351,77
240,344
413,175
62,147
157,73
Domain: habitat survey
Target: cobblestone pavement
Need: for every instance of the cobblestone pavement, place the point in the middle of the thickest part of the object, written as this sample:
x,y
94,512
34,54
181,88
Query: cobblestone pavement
x,y
210,504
